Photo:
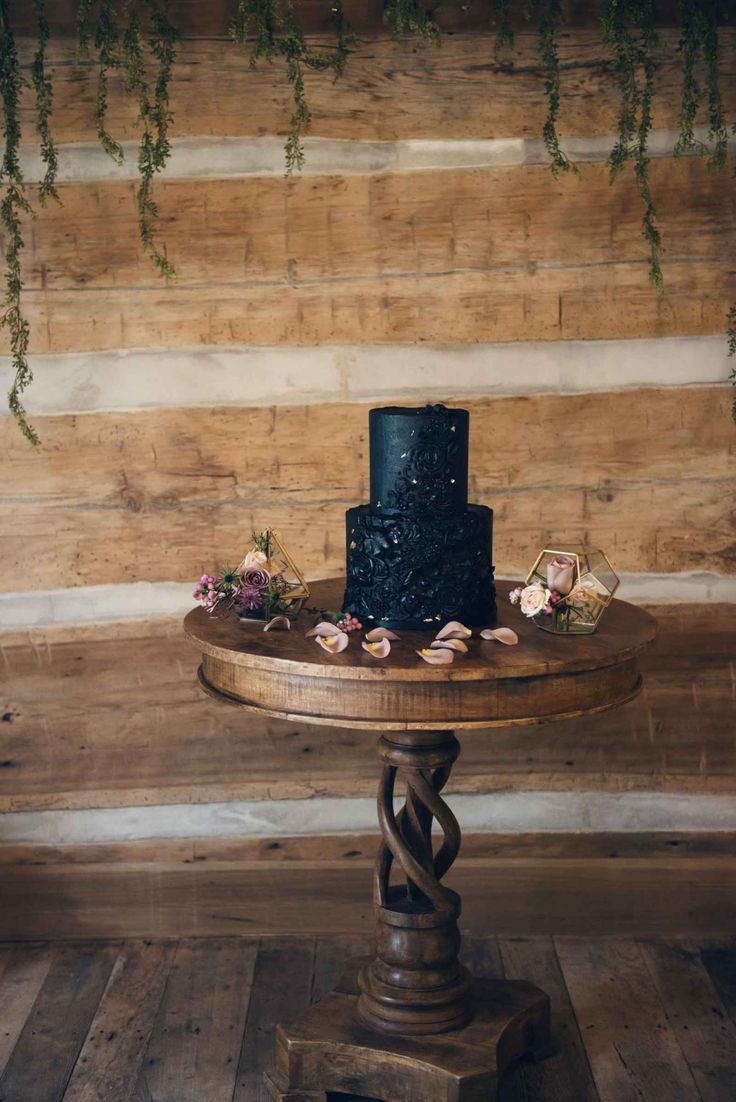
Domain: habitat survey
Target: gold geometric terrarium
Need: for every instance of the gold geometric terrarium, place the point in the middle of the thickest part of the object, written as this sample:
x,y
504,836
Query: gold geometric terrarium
x,y
286,589
581,584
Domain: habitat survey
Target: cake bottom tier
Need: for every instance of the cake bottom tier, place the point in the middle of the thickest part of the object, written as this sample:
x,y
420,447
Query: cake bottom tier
x,y
420,572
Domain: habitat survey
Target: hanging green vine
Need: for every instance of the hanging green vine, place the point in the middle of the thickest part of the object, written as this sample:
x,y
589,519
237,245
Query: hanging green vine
x,y
549,14
504,33
699,19
122,48
14,203
44,107
412,17
629,31
275,32
132,36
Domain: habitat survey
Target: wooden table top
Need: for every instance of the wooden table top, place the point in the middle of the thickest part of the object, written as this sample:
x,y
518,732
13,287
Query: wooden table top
x,y
545,677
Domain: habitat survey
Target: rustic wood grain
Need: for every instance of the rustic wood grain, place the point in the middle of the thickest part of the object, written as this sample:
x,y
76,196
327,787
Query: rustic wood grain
x,y
320,231
388,91
274,1000
483,254
696,1015
47,1048
564,303
533,958
170,493
23,974
74,736
194,19
511,896
632,1049
720,961
193,1050
110,1059
565,1074
541,680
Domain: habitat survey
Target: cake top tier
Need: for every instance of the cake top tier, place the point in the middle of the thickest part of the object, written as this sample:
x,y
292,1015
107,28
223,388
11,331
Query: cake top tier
x,y
419,459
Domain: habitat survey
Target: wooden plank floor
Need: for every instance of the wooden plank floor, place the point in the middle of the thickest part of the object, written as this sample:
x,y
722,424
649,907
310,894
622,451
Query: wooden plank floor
x,y
193,1020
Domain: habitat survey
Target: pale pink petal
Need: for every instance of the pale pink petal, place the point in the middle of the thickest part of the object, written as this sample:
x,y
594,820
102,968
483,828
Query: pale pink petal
x,y
333,643
441,657
280,622
375,634
379,649
323,628
501,635
451,644
454,630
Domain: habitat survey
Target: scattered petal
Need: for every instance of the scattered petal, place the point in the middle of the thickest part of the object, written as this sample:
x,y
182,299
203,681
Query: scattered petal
x,y
441,657
501,635
333,643
281,622
324,628
451,644
454,630
379,649
380,633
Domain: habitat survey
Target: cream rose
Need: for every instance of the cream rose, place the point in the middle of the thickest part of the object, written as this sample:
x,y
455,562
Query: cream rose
x,y
255,560
533,599
561,574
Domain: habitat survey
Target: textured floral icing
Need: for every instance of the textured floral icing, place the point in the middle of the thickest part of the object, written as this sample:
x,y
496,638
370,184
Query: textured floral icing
x,y
416,572
419,555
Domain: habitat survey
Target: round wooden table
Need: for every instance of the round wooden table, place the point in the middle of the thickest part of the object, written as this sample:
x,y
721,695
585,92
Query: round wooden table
x,y
411,1025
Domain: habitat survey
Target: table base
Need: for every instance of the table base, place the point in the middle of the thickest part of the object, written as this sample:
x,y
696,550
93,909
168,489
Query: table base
x,y
330,1048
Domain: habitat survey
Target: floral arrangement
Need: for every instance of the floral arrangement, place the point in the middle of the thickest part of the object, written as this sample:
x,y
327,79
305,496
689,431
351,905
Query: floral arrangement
x,y
259,588
566,592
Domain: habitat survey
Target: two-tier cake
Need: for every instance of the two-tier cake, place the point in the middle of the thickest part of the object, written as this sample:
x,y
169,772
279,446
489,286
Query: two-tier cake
x,y
418,554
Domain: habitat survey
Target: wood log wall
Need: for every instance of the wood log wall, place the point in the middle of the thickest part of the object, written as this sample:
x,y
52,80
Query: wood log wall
x,y
427,217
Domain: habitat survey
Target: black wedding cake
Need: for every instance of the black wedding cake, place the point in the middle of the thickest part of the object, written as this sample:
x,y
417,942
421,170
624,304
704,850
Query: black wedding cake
x,y
418,554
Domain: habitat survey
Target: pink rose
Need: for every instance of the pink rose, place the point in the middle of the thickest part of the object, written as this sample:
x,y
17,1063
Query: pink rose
x,y
255,578
255,559
533,599
561,574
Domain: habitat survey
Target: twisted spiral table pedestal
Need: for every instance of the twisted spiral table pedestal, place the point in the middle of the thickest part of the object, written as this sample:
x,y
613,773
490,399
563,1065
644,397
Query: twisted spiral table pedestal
x,y
412,1025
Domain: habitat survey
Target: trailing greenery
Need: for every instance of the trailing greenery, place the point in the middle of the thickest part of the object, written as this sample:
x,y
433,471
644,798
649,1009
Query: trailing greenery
x,y
412,17
273,26
122,47
549,14
629,31
14,204
136,39
44,107
699,19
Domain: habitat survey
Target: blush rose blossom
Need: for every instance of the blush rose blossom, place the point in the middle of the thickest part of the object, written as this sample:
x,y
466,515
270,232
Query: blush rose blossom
x,y
255,578
561,574
533,599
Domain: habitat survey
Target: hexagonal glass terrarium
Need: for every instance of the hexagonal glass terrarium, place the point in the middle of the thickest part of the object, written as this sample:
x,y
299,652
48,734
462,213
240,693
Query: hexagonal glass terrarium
x,y
581,583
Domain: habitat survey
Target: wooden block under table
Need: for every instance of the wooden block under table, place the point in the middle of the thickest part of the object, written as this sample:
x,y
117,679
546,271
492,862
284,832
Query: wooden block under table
x,y
329,1048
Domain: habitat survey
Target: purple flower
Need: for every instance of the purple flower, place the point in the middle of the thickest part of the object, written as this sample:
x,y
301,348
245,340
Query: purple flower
x,y
251,597
255,578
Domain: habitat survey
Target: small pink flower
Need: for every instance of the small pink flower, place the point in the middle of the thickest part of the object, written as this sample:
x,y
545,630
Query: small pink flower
x,y
515,595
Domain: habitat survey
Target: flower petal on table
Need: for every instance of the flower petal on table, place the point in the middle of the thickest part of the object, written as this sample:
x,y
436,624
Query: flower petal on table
x,y
443,656
379,649
323,628
501,635
450,644
280,622
376,634
454,630
333,643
